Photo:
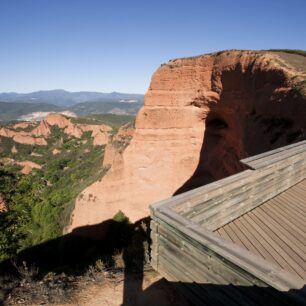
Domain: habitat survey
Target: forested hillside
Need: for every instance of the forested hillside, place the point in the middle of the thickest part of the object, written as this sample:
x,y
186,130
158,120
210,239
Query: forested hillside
x,y
37,206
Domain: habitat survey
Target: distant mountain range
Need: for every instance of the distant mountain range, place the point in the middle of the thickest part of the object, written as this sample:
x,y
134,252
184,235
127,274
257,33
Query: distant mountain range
x,y
65,98
14,110
15,105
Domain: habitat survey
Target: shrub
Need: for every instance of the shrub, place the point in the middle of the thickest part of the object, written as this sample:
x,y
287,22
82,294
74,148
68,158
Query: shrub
x,y
120,217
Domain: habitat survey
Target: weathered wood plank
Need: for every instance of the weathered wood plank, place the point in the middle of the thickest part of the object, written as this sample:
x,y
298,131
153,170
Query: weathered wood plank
x,y
209,294
291,215
238,228
234,211
186,248
243,259
199,202
280,151
271,246
256,240
198,295
201,261
283,233
280,222
284,156
294,202
297,263
206,292
294,229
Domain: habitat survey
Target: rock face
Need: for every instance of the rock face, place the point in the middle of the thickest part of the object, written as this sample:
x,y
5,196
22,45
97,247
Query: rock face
x,y
27,166
7,132
118,144
43,129
100,132
22,125
56,151
73,130
58,119
200,117
23,137
30,140
14,150
3,204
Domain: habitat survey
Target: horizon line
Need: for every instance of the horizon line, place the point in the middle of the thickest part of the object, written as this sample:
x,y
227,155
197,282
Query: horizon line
x,y
70,91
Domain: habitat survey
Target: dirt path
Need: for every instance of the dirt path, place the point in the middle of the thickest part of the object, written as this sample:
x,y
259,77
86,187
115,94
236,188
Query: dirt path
x,y
134,290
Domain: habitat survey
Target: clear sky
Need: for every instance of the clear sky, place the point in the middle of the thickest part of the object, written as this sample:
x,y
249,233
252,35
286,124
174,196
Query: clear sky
x,y
116,45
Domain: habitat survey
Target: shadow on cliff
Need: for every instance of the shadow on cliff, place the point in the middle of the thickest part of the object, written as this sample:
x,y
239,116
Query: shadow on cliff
x,y
219,156
230,137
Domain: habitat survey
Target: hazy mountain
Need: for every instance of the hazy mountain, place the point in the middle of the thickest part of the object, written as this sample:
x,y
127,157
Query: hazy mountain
x,y
118,108
13,110
66,98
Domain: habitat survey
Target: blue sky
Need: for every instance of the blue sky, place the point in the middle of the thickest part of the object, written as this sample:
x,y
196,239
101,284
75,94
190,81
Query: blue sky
x,y
116,45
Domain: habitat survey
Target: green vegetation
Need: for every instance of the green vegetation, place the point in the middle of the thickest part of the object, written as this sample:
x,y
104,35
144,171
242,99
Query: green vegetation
x,y
122,143
300,87
24,151
110,119
120,217
40,203
112,107
291,51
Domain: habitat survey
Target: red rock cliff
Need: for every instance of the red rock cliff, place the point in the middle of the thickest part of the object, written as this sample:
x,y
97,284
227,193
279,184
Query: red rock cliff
x,y
201,115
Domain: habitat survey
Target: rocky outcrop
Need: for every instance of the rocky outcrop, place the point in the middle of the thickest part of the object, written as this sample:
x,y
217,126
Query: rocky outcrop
x,y
30,140
23,137
58,119
100,133
22,125
73,130
56,151
200,117
39,134
3,204
36,154
100,139
117,145
14,150
4,132
27,166
43,129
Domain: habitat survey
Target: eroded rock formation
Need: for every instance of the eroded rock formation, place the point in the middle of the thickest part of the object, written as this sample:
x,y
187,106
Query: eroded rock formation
x,y
120,141
3,204
14,150
23,137
27,166
30,140
201,116
41,131
58,119
100,132
22,125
